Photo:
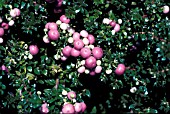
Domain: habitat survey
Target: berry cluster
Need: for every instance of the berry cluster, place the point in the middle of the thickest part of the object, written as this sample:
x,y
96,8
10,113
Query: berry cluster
x,y
81,44
14,14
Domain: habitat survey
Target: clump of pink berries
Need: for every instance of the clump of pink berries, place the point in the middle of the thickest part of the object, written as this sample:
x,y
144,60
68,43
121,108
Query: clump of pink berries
x,y
113,24
84,48
14,13
74,107
81,45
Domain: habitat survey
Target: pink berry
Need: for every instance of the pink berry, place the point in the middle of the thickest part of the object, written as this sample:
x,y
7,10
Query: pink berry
x,y
17,11
83,106
33,49
98,69
67,21
120,69
91,38
13,13
71,95
84,33
5,25
97,52
78,107
78,44
90,62
44,108
85,52
117,27
68,109
64,58
53,34
76,36
4,68
166,9
64,19
11,23
112,23
66,51
70,30
81,69
47,25
46,40
44,105
52,26
1,32
75,52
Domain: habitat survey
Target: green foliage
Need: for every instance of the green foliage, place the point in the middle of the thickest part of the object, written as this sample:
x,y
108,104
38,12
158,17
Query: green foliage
x,y
33,81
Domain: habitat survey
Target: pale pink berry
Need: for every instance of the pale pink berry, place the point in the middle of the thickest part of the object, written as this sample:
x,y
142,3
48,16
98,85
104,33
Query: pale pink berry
x,y
70,30
81,69
84,33
91,38
83,106
166,9
17,11
44,108
46,40
64,58
68,109
11,23
71,95
76,36
13,13
85,41
78,107
98,69
117,28
106,21
1,32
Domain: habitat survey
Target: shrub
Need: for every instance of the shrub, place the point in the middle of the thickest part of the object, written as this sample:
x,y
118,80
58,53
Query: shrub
x,y
84,56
